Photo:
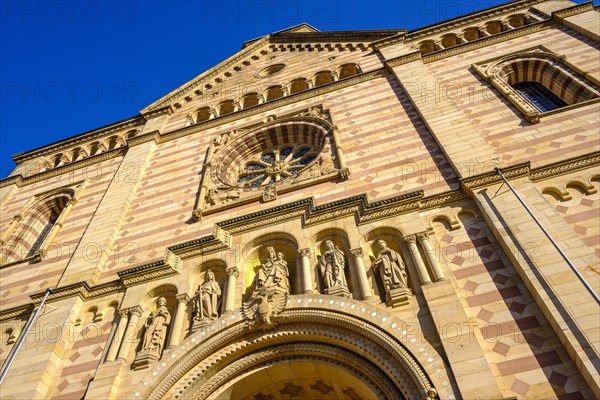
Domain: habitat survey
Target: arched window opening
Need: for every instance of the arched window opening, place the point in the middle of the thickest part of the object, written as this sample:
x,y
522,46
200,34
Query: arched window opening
x,y
450,41
471,34
36,229
274,92
539,96
250,100
538,82
348,70
226,107
494,27
427,46
298,85
203,114
323,78
517,20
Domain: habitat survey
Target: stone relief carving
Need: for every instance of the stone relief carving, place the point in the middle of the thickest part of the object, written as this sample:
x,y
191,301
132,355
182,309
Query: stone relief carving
x,y
220,196
331,267
271,289
206,299
392,271
269,193
313,112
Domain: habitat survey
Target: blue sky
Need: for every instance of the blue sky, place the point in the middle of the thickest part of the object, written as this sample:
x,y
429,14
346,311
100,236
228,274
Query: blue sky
x,y
71,66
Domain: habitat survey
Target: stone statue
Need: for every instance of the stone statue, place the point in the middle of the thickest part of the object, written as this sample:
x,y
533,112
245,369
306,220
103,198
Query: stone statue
x,y
271,289
207,298
391,268
156,328
331,266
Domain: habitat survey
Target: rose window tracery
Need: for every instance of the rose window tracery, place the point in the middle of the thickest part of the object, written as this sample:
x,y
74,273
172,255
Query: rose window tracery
x,y
276,164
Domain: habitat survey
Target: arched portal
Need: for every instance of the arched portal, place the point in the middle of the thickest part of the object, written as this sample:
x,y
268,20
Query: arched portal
x,y
318,343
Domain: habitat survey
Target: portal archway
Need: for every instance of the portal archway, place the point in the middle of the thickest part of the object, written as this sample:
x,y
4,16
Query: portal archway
x,y
314,334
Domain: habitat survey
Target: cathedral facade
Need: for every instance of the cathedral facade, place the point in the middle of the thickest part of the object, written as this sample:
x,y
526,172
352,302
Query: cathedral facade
x,y
383,214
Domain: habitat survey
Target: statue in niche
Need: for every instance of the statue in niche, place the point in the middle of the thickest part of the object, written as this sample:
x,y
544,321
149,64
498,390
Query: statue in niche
x,y
271,289
156,328
331,266
207,298
391,267
392,271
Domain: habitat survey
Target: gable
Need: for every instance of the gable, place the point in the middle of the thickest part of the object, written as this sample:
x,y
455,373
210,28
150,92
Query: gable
x,y
260,53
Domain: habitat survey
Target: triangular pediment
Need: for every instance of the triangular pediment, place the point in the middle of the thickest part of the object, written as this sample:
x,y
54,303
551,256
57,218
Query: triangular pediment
x,y
255,51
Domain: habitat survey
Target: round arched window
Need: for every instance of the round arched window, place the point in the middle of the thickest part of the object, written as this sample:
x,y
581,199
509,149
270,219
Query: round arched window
x,y
275,153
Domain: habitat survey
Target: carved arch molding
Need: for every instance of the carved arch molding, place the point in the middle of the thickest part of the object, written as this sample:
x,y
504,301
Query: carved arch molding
x,y
363,350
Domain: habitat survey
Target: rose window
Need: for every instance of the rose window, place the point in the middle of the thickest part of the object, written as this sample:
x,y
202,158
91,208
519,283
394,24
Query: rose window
x,y
276,153
276,164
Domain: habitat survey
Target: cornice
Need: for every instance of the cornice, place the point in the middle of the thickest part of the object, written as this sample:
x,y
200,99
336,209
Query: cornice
x,y
565,167
167,110
471,19
16,312
169,265
404,59
365,37
81,138
83,290
560,15
20,181
491,178
364,212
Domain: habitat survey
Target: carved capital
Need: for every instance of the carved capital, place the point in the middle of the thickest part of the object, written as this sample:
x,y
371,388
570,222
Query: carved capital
x,y
124,313
137,310
18,217
411,239
183,298
233,271
304,252
358,252
39,255
422,236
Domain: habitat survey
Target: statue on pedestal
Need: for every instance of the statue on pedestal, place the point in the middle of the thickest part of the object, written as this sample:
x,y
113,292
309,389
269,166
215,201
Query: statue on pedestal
x,y
155,335
331,266
207,298
392,271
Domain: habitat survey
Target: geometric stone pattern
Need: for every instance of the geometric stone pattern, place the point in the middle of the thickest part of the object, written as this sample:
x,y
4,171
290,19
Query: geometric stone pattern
x,y
580,212
518,343
83,358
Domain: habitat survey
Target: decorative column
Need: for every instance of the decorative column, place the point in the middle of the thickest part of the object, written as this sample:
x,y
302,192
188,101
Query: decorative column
x,y
11,228
363,282
178,320
130,332
344,171
309,84
431,257
416,256
118,336
232,274
306,277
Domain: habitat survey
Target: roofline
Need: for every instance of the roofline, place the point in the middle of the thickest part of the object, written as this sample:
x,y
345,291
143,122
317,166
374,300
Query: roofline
x,y
77,138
